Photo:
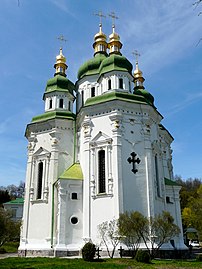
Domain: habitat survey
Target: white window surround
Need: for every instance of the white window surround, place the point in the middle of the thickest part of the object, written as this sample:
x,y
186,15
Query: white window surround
x,y
101,142
41,155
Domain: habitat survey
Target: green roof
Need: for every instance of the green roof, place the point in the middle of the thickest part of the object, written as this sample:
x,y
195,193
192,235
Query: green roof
x,y
170,182
73,172
59,83
115,95
53,115
91,67
16,201
145,94
115,62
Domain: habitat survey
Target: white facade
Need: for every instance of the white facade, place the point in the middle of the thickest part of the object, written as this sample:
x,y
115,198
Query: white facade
x,y
78,173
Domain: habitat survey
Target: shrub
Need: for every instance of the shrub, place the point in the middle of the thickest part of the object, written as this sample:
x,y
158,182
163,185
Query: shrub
x,y
88,251
199,258
142,256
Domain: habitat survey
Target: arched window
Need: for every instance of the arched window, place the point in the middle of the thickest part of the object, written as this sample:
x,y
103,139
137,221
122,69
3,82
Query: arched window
x,y
40,178
50,103
109,84
157,177
69,106
120,83
101,172
61,103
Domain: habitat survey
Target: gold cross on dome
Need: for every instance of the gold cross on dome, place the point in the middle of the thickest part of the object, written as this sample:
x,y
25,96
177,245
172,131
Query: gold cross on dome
x,y
136,54
62,39
113,16
99,14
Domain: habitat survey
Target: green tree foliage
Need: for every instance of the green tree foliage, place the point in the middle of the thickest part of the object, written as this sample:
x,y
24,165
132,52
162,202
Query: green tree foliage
x,y
162,230
154,231
4,197
131,225
191,214
9,229
188,190
109,233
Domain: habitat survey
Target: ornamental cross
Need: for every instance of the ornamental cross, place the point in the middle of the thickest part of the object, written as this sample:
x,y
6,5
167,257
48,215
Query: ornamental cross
x,y
136,54
62,39
133,160
113,16
99,14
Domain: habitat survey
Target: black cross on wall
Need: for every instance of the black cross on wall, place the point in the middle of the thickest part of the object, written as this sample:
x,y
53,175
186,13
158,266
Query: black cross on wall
x,y
133,160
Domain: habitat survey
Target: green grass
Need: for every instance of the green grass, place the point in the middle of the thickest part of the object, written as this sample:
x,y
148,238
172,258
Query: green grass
x,y
59,263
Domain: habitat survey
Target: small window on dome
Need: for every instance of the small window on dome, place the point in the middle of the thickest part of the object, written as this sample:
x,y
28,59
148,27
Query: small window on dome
x,y
61,103
69,106
109,84
50,103
120,83
82,98
92,91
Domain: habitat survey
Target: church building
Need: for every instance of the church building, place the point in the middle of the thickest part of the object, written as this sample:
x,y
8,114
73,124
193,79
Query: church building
x,y
88,164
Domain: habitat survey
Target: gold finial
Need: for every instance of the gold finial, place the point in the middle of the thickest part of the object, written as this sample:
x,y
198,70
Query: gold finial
x,y
100,44
60,65
138,77
114,40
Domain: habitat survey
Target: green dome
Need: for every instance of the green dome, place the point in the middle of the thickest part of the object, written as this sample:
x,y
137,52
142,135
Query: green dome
x,y
91,67
115,62
59,83
148,97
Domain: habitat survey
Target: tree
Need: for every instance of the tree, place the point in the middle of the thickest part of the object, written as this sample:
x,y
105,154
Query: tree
x,y
191,215
154,231
162,230
108,231
4,197
131,225
188,190
9,229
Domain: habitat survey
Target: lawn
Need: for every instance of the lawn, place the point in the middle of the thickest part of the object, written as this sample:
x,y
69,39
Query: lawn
x,y
59,263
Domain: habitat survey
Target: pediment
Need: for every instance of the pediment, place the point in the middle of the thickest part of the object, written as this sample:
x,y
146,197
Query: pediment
x,y
101,138
41,152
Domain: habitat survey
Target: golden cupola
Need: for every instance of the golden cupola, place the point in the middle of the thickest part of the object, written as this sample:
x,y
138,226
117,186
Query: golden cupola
x,y
100,43
60,65
138,77
114,44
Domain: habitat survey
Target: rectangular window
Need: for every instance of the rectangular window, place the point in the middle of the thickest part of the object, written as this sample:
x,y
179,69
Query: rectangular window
x,y
101,172
157,177
82,98
109,84
92,91
61,103
74,196
120,83
50,103
40,178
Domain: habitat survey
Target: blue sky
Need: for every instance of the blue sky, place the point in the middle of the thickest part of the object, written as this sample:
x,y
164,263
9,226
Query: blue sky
x,y
165,32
